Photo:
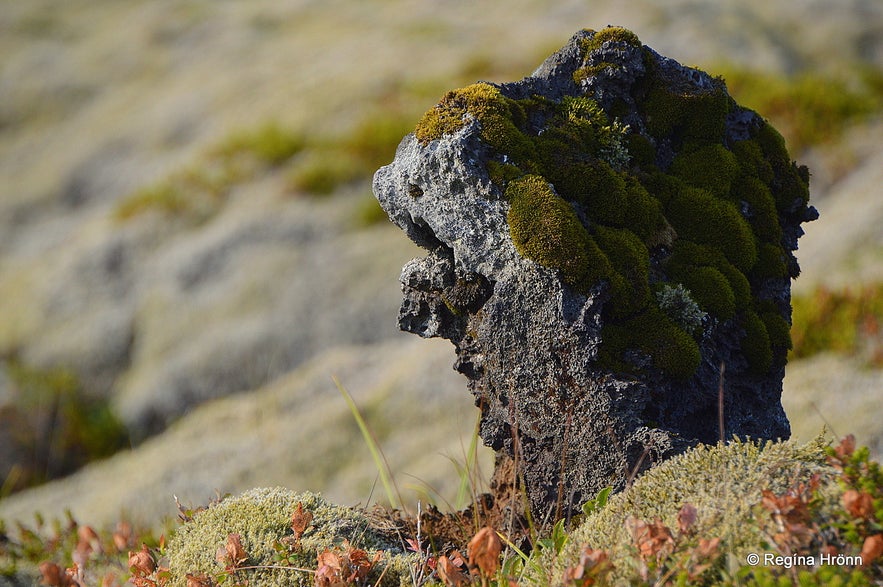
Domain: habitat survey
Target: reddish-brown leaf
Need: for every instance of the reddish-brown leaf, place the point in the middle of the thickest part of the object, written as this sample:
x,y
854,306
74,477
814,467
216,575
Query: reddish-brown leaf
x,y
53,575
235,552
450,573
329,569
484,551
872,548
141,563
198,581
846,447
687,518
300,520
592,568
858,504
358,563
653,540
122,537
708,548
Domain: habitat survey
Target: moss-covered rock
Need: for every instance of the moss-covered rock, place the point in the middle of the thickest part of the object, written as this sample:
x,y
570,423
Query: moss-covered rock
x,y
726,195
632,222
262,518
545,228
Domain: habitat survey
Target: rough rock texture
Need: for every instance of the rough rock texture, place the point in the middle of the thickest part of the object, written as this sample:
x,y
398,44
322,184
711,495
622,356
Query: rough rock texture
x,y
604,237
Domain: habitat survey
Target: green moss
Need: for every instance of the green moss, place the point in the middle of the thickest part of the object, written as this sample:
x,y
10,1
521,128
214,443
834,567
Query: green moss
x,y
262,518
597,187
498,116
545,228
699,117
642,150
789,183
616,36
583,73
756,344
610,34
671,349
687,256
711,290
502,173
631,266
778,330
644,212
706,114
663,110
770,262
700,217
752,161
762,213
662,186
711,168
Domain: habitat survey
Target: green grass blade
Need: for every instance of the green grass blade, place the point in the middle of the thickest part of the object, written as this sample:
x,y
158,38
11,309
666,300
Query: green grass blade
x,y
376,452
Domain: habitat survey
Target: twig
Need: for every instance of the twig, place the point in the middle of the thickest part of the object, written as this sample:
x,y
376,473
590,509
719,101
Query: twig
x,y
720,405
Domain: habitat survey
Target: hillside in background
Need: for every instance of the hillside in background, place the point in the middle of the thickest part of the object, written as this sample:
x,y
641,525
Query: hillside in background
x,y
189,250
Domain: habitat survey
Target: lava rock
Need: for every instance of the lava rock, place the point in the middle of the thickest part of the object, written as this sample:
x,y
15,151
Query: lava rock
x,y
611,252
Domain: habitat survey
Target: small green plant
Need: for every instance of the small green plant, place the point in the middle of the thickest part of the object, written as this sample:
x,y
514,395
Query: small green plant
x,y
386,477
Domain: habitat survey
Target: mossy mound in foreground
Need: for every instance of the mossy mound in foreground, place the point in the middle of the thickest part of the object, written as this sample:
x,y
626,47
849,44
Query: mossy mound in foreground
x,y
263,520
759,499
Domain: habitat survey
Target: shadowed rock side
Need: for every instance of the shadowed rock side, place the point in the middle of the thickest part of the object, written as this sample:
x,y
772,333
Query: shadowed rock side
x,y
603,237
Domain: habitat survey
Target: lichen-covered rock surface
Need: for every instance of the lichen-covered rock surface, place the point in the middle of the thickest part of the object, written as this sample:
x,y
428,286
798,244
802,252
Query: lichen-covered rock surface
x,y
605,237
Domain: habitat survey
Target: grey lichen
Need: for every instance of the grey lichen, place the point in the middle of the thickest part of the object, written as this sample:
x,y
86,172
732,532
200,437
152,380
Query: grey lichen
x,y
262,518
676,302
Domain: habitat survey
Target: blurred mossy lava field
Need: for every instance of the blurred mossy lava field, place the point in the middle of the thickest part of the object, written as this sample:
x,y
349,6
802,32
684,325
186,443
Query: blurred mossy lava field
x,y
189,248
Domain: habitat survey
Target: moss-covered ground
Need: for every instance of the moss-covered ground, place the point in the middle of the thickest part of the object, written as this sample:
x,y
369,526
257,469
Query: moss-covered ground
x,y
812,514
